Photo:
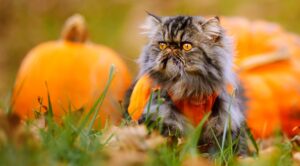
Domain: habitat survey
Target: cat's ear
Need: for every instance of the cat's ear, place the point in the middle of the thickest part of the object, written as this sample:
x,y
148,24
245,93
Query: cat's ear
x,y
151,24
154,18
212,29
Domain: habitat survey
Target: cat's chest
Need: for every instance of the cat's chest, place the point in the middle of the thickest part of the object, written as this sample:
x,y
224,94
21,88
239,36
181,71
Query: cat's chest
x,y
195,108
192,108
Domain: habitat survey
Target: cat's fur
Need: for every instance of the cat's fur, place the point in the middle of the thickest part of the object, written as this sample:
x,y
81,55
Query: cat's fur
x,y
194,74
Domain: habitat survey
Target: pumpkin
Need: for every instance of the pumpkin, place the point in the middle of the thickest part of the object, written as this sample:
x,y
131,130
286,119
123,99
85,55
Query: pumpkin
x,y
268,60
75,73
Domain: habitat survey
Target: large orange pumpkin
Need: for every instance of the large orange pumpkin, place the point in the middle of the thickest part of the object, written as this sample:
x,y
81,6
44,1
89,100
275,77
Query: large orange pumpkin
x,y
75,72
268,60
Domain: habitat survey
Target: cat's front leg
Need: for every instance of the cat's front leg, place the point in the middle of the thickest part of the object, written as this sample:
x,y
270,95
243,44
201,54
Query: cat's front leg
x,y
161,112
226,118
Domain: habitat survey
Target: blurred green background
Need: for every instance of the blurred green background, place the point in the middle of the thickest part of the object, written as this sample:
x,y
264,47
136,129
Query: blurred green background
x,y
115,23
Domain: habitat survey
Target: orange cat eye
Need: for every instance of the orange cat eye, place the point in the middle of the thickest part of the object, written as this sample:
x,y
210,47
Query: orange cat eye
x,y
187,46
162,45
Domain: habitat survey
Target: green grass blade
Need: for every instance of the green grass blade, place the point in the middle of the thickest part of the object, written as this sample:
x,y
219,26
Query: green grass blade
x,y
250,136
50,109
98,104
192,143
98,101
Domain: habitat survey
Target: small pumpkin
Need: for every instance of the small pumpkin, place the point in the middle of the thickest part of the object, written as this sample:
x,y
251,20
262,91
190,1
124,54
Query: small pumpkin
x,y
75,72
268,63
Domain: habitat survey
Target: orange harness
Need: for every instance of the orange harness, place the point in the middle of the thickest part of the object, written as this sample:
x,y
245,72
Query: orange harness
x,y
193,110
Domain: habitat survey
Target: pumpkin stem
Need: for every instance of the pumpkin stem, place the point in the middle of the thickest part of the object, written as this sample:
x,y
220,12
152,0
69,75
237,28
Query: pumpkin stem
x,y
75,29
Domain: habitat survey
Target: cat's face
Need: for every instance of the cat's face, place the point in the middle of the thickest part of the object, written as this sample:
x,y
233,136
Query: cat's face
x,y
185,49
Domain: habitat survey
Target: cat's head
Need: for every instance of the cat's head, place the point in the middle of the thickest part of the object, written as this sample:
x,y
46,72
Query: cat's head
x,y
189,51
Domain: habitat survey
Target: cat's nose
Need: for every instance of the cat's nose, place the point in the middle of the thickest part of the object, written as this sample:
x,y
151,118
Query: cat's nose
x,y
174,51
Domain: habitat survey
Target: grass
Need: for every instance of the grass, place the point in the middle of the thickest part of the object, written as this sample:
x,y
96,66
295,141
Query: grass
x,y
74,141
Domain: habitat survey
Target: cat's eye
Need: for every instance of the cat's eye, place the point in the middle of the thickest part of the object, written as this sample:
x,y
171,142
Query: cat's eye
x,y
187,46
162,45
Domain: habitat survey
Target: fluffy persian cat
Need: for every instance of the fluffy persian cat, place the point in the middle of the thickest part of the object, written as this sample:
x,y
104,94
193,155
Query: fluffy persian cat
x,y
190,58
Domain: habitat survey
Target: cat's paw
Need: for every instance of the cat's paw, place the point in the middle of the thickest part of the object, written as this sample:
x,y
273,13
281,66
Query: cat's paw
x,y
161,114
174,127
167,120
168,124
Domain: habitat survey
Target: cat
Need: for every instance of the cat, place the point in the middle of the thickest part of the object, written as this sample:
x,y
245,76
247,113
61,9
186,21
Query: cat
x,y
190,59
